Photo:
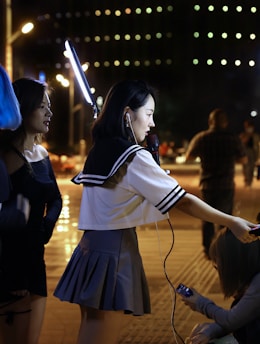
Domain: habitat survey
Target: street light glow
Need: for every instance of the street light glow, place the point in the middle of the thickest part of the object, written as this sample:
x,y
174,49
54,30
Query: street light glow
x,y
27,28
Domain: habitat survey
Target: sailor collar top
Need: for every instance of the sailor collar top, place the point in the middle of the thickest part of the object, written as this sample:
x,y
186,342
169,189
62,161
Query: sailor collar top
x,y
124,187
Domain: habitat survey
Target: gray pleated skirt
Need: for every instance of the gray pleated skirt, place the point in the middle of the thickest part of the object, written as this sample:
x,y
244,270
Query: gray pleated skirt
x,y
106,272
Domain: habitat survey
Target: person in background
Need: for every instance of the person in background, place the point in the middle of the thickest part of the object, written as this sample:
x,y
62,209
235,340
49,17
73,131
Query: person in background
x,y
31,175
219,150
238,267
251,140
123,188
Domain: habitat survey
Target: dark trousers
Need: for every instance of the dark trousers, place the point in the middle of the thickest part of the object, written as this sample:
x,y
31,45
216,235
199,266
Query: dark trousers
x,y
220,199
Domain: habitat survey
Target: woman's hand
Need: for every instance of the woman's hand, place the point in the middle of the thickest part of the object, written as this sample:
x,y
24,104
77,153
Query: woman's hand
x,y
191,301
240,228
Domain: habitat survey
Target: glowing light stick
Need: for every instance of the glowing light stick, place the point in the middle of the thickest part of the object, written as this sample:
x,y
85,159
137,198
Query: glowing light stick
x,y
80,76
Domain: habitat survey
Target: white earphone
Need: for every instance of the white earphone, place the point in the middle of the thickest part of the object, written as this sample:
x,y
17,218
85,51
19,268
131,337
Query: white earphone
x,y
128,117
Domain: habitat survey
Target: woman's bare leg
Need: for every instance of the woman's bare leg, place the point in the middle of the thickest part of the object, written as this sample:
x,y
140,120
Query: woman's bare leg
x,y
99,327
38,305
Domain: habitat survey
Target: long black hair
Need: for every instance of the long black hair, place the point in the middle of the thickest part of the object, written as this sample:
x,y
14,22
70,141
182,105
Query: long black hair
x,y
237,263
29,93
127,93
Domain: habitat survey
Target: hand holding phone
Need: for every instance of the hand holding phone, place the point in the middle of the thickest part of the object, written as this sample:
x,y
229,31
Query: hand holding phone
x,y
183,290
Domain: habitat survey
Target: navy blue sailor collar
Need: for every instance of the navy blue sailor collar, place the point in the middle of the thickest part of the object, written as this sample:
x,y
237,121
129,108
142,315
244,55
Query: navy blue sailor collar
x,y
104,160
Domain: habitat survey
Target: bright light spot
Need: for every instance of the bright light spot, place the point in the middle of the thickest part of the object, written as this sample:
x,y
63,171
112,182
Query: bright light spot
x,y
223,62
137,37
117,13
97,39
159,9
251,63
117,37
252,36
137,63
196,7
127,63
237,63
196,34
148,37
225,8
128,10
107,12
117,63
238,35
27,28
211,8
98,13
253,9
127,37
224,35
209,62
239,8
210,35
138,11
253,113
148,10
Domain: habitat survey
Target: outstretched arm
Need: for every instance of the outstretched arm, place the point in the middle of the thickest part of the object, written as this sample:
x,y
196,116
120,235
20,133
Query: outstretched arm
x,y
194,206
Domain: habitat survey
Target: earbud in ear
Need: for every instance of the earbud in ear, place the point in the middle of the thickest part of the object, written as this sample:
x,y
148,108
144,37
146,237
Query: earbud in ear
x,y
128,119
128,116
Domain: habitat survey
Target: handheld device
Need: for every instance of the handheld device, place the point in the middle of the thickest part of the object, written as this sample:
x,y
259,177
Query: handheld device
x,y
255,230
183,290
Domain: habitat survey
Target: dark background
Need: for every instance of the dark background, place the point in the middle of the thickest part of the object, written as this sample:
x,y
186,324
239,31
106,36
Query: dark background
x,y
187,92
